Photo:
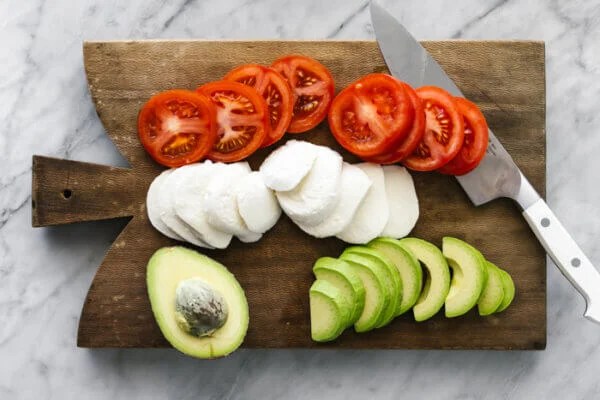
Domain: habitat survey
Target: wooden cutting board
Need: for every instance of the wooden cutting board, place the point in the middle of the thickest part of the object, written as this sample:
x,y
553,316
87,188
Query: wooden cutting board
x,y
506,79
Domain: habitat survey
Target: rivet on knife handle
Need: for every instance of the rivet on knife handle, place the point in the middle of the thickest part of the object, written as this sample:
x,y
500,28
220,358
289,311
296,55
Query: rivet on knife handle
x,y
567,255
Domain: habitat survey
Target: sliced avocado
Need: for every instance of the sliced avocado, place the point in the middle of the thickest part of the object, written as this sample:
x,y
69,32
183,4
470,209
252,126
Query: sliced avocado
x,y
437,277
199,306
411,274
344,277
509,290
329,311
493,291
469,275
376,295
391,278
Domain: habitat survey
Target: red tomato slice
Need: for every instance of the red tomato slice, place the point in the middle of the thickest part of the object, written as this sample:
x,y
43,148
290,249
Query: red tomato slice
x,y
274,89
177,127
409,144
371,115
475,143
313,88
444,131
242,120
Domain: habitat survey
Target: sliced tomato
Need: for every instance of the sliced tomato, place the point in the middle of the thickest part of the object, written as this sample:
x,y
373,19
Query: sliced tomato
x,y
408,144
444,131
242,120
475,143
371,115
177,127
273,87
313,88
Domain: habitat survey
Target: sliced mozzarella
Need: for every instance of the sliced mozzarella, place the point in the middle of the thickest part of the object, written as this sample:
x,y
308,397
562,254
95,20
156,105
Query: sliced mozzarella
x,y
250,237
354,185
257,203
153,209
192,181
373,213
284,168
402,200
166,204
221,203
316,196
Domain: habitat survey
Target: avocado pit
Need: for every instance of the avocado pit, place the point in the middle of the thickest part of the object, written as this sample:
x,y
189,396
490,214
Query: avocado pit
x,y
199,309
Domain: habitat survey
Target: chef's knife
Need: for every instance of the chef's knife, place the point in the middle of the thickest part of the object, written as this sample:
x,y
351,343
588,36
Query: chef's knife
x,y
497,175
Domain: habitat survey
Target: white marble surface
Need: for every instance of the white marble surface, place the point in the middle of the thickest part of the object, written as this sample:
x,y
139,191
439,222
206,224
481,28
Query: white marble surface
x,y
44,273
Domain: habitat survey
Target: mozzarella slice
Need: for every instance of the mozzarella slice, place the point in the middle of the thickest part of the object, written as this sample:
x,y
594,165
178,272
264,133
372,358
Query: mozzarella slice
x,y
221,202
373,213
354,185
250,237
402,200
257,203
166,204
316,196
284,168
153,209
191,182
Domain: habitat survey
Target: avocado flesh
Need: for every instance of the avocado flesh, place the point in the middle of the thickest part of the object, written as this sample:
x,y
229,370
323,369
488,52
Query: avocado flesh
x,y
376,296
391,276
341,275
167,268
509,290
329,311
437,277
411,274
493,291
469,275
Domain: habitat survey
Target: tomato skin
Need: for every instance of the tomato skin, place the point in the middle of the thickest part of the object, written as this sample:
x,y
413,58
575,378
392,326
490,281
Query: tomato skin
x,y
250,120
475,143
372,115
411,141
276,91
444,131
313,89
177,127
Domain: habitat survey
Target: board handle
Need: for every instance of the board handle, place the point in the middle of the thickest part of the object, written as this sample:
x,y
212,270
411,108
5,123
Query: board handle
x,y
65,191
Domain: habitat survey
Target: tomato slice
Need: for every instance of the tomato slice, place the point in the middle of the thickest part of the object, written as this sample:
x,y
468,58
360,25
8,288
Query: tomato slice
x,y
371,115
475,143
444,131
273,87
409,144
177,127
242,120
313,89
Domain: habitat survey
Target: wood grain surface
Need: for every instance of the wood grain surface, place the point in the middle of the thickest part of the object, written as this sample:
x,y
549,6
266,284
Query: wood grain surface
x,y
506,79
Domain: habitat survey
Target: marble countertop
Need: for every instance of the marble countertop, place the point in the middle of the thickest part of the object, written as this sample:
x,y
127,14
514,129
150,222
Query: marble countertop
x,y
45,273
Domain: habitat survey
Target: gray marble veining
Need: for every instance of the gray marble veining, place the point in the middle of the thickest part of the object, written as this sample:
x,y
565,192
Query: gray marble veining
x,y
44,273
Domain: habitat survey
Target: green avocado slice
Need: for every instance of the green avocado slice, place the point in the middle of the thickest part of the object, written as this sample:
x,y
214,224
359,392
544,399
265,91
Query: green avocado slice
x,y
393,285
509,290
411,274
437,277
376,295
167,270
329,311
493,292
344,277
469,276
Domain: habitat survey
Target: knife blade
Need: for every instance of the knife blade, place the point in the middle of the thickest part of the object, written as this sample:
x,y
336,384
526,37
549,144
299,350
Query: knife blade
x,y
497,175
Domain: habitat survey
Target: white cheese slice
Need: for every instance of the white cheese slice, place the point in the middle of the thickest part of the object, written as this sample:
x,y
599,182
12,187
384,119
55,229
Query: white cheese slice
x,y
285,167
402,200
372,215
257,203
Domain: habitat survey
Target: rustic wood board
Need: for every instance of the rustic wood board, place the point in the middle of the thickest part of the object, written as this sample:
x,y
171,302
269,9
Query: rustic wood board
x,y
506,79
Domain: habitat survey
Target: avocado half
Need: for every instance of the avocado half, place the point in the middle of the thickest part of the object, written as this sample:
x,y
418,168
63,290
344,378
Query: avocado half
x,y
173,273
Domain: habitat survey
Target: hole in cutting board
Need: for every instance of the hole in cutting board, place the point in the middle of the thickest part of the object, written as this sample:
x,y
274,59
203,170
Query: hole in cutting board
x,y
67,193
